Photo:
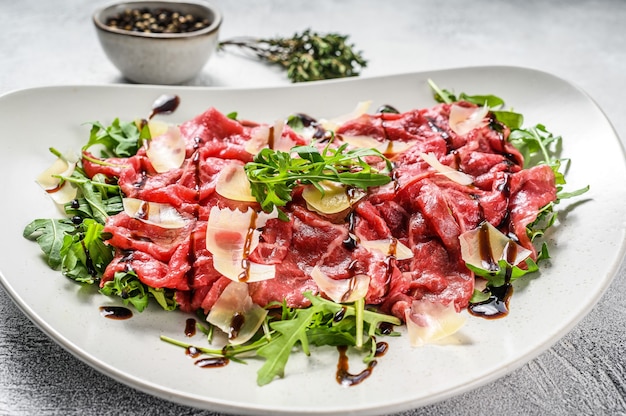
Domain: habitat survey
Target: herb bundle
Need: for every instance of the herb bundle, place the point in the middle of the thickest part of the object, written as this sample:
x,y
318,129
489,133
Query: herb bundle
x,y
307,56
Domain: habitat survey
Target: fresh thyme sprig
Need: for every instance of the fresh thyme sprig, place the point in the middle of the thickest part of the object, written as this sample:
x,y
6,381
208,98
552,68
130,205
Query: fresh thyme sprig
x,y
307,56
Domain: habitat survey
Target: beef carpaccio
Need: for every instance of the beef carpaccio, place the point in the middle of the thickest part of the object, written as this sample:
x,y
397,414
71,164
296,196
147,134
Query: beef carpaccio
x,y
421,209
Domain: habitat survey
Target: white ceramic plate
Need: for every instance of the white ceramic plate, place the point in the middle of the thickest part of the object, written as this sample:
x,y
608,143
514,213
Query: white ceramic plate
x,y
587,247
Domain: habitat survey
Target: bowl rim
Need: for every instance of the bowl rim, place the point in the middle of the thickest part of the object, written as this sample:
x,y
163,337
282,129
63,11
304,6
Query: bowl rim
x,y
213,27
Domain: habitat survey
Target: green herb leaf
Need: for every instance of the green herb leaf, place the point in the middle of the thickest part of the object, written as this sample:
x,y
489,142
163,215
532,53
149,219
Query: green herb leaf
x,y
445,96
316,325
165,298
85,255
506,273
97,199
49,234
277,351
273,174
120,139
127,286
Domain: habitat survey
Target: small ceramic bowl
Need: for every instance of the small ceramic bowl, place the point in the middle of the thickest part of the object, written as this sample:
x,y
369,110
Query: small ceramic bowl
x,y
159,58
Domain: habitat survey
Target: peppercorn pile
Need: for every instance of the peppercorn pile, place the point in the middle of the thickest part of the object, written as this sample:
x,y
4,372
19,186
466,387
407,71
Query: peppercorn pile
x,y
157,21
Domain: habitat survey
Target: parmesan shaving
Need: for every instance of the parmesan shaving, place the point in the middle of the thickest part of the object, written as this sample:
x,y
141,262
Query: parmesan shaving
x,y
236,314
60,190
166,151
333,124
232,183
269,136
161,215
333,200
389,247
447,171
387,147
341,290
498,246
231,236
465,119
430,322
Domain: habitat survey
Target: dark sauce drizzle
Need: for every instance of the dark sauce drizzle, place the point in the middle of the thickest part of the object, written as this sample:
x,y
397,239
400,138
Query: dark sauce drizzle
x,y
343,375
236,323
192,352
351,242
191,254
387,109
390,262
190,327
165,104
244,276
385,328
117,313
308,121
212,362
142,181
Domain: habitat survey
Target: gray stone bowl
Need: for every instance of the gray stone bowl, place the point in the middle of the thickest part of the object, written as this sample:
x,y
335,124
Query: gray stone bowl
x,y
159,58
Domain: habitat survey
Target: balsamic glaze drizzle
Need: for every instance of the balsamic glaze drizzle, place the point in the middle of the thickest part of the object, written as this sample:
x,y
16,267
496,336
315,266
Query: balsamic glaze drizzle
x,y
117,313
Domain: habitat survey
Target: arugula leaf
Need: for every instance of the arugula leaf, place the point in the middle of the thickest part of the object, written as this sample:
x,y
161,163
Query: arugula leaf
x,y
164,297
506,273
537,145
278,350
448,97
127,286
78,250
273,174
49,234
509,118
84,253
316,325
120,139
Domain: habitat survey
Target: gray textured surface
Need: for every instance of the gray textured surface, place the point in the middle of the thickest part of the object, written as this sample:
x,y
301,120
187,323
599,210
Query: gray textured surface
x,y
53,42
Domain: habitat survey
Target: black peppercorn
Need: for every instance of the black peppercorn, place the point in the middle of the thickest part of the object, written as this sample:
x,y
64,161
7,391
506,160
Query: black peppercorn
x,y
159,20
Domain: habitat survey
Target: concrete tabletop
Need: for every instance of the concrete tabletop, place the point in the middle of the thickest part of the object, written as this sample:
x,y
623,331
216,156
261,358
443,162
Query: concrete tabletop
x,y
582,41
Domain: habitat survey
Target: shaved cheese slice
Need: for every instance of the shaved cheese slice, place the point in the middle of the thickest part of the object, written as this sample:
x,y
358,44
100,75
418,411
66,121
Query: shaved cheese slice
x,y
430,322
166,151
232,183
259,138
498,246
387,147
236,314
60,190
335,198
447,171
465,119
161,215
269,136
157,127
389,247
280,142
361,108
341,290
231,236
